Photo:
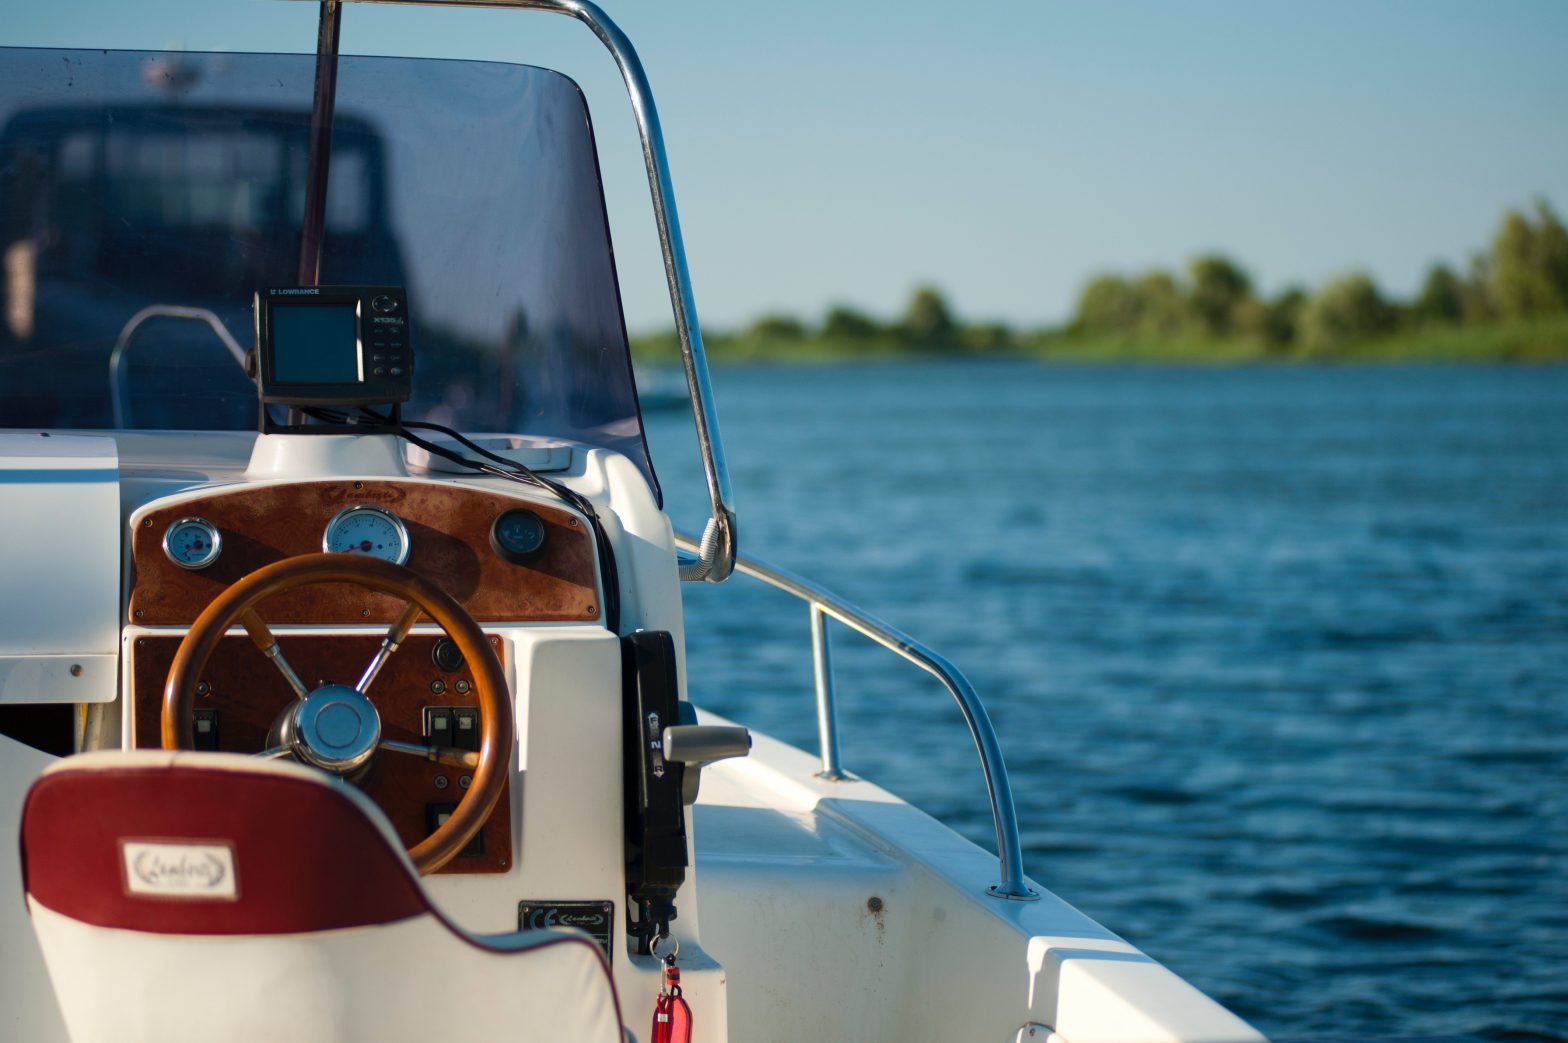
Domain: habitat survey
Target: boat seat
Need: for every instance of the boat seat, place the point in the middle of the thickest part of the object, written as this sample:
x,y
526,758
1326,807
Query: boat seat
x,y
203,896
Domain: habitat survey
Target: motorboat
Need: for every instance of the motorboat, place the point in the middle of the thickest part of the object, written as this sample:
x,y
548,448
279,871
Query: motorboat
x,y
343,685
661,390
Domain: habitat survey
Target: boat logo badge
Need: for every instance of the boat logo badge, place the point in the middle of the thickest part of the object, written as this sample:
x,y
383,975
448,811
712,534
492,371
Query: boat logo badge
x,y
179,870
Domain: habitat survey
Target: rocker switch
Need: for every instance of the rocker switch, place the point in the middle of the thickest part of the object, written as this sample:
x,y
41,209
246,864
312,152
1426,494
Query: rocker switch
x,y
465,728
438,726
204,725
436,816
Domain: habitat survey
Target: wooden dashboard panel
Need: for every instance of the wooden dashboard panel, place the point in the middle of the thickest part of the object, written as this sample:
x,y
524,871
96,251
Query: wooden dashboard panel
x,y
248,693
449,539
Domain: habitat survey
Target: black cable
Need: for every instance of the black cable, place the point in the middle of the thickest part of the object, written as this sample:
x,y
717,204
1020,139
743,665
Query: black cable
x,y
510,470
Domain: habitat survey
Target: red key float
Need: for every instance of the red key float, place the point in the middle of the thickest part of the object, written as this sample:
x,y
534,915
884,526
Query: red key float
x,y
671,1015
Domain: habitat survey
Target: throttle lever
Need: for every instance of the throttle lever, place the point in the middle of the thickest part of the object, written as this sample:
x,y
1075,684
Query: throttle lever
x,y
697,745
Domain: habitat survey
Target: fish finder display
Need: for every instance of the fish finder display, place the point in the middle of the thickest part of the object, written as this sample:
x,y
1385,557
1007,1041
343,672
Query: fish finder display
x,y
333,345
313,344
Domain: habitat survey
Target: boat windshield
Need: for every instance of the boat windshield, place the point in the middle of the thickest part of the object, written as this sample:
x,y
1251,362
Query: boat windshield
x,y
131,180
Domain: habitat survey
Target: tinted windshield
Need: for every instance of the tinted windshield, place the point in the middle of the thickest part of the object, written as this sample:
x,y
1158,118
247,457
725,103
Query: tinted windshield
x,y
132,179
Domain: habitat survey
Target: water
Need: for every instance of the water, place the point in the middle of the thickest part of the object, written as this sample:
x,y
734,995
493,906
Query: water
x,y
1277,656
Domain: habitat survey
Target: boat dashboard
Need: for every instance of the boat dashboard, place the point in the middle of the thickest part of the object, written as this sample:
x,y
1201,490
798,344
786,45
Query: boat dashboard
x,y
505,559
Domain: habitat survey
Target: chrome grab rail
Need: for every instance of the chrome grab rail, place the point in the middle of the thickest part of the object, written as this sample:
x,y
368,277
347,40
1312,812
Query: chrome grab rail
x,y
122,345
715,553
824,605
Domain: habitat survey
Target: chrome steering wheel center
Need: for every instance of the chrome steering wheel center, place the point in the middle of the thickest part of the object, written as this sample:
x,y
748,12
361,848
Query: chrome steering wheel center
x,y
336,728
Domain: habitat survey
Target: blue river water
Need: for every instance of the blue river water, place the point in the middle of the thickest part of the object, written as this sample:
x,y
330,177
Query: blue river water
x,y
1278,656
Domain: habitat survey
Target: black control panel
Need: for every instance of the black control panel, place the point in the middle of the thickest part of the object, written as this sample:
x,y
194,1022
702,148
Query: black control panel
x,y
333,345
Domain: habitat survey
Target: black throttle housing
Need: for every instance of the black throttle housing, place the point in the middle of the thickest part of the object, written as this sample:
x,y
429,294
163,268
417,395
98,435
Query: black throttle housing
x,y
656,853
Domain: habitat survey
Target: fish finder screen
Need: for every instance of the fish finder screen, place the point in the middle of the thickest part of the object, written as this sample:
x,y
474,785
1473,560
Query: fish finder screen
x,y
315,344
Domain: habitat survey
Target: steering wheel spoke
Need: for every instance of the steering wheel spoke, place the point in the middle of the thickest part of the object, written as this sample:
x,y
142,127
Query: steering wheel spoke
x,y
396,635
261,635
451,756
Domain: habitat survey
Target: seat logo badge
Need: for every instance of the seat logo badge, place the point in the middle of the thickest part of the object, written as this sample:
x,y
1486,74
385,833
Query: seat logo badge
x,y
168,870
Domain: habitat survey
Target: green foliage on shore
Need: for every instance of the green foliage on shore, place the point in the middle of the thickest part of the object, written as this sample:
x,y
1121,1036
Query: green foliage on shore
x,y
1509,304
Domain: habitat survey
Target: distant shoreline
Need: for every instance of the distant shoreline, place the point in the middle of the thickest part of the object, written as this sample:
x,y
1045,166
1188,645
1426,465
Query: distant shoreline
x,y
1531,341
1510,304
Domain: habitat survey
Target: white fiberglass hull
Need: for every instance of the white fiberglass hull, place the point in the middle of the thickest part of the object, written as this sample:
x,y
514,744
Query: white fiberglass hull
x,y
840,912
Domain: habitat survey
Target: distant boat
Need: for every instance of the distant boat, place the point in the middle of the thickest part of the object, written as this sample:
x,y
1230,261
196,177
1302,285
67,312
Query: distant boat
x,y
662,390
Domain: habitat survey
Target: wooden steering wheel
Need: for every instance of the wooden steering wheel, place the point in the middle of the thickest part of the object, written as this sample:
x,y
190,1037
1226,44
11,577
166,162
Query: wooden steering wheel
x,y
335,727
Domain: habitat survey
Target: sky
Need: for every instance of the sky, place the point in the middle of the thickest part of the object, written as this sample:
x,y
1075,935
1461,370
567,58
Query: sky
x,y
1005,152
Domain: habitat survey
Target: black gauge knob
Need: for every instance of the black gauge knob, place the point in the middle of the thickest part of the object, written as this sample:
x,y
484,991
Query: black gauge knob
x,y
518,535
448,657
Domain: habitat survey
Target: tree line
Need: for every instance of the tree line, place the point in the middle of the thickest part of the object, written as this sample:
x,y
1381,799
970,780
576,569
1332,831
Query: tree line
x,y
927,323
1524,276
1213,309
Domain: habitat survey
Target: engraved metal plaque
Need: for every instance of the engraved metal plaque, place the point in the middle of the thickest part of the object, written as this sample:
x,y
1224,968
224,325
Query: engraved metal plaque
x,y
596,918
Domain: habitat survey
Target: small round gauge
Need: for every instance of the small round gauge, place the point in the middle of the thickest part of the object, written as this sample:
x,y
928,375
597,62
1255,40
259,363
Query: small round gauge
x,y
192,543
367,529
517,535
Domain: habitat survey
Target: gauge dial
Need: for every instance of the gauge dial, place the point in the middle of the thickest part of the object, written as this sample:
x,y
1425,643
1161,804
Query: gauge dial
x,y
366,529
192,543
517,535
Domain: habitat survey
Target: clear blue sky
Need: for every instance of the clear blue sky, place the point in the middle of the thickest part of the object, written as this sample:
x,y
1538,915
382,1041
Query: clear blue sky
x,y
1004,151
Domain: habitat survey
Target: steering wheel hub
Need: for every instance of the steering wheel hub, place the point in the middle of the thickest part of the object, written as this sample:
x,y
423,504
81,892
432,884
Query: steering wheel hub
x,y
335,728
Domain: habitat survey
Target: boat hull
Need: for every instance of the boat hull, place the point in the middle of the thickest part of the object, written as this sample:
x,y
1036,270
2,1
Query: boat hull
x,y
839,911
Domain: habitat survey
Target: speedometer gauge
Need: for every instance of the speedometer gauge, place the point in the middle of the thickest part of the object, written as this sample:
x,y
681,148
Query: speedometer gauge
x,y
192,543
367,529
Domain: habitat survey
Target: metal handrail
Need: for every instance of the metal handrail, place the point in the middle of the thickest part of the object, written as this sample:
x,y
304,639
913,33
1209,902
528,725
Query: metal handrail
x,y
122,345
715,552
824,604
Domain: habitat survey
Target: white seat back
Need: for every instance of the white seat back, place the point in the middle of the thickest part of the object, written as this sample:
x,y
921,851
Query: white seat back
x,y
183,896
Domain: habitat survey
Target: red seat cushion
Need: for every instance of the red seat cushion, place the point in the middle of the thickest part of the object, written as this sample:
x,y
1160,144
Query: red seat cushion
x,y
302,854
